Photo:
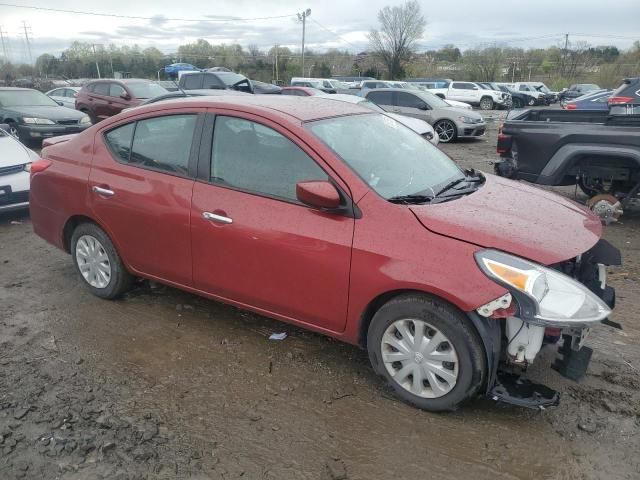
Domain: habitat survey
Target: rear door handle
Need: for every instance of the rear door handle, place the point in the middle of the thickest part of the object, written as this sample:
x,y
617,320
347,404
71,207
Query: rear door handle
x,y
103,191
217,218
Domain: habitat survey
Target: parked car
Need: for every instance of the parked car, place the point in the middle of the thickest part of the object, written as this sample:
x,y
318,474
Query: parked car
x,y
316,83
279,205
373,84
450,123
421,127
473,94
577,90
66,96
219,80
351,79
596,150
32,116
15,163
263,88
595,101
625,100
101,99
301,91
518,99
535,97
173,69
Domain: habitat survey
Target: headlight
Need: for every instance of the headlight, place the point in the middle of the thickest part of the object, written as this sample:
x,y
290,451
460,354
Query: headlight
x,y
85,119
544,296
38,121
467,119
26,167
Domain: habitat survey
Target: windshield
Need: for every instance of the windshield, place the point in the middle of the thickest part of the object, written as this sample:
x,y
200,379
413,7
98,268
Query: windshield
x,y
391,158
25,98
146,90
433,100
230,78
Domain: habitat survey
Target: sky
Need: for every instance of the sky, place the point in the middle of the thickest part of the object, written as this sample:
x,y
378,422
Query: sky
x,y
333,23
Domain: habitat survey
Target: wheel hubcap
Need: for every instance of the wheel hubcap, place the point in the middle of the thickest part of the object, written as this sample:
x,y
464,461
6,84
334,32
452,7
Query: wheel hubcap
x,y
420,358
93,261
445,131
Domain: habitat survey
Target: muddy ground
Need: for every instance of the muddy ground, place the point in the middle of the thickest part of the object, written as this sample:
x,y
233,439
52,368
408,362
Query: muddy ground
x,y
163,384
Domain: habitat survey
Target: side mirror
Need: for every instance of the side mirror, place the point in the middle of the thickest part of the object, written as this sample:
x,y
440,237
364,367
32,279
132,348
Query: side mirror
x,y
423,106
318,193
125,96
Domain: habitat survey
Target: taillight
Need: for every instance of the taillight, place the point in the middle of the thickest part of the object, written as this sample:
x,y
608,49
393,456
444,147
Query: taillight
x,y
39,166
620,100
571,106
504,143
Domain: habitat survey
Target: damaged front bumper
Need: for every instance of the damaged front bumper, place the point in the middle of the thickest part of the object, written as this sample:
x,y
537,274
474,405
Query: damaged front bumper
x,y
513,344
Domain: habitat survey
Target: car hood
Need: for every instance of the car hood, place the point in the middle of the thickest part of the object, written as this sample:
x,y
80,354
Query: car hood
x,y
54,112
415,124
526,221
12,152
455,112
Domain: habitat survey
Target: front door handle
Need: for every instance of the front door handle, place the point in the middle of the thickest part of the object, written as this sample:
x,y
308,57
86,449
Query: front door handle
x,y
103,191
217,218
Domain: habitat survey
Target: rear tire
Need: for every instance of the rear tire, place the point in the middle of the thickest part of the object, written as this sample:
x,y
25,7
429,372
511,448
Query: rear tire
x,y
443,348
98,262
486,103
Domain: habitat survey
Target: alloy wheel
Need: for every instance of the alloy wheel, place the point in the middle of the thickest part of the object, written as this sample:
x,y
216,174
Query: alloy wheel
x,y
446,131
419,358
93,261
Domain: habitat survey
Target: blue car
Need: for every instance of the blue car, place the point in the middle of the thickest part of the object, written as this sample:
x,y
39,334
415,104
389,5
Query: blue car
x,y
173,69
594,101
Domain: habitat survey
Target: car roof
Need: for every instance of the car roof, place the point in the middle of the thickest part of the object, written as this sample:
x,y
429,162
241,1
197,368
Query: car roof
x,y
5,89
297,108
121,80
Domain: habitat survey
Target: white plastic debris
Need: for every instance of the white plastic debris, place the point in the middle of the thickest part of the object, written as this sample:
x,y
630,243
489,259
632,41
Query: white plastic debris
x,y
278,336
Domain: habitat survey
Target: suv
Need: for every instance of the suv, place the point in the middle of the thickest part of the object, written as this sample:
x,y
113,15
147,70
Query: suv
x,y
101,99
217,80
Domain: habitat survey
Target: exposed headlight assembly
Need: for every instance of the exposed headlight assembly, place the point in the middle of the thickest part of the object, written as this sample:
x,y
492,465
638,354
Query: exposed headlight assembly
x,y
38,121
465,119
544,296
85,120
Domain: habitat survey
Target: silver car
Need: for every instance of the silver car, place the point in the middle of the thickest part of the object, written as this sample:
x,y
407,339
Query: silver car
x,y
65,96
450,123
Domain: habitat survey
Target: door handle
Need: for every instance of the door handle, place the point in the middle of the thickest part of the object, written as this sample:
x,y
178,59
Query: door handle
x,y
217,218
103,191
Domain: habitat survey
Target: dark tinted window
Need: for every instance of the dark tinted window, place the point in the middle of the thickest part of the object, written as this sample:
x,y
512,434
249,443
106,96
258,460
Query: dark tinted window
x,y
192,82
381,98
407,100
211,81
119,141
101,89
252,157
296,93
462,86
116,90
163,143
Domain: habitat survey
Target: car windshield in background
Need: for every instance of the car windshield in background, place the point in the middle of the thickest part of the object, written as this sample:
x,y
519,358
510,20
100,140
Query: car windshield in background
x,y
25,98
230,78
391,158
146,90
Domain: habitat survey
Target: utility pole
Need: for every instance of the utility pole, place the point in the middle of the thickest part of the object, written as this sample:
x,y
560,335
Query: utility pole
x,y
96,57
564,54
4,46
303,18
277,48
26,37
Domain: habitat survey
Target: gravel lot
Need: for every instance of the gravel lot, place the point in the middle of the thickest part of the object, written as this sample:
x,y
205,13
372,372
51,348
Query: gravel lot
x,y
163,384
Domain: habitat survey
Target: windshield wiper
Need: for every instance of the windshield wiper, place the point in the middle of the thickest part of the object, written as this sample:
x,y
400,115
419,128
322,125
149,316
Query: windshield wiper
x,y
410,199
450,185
470,177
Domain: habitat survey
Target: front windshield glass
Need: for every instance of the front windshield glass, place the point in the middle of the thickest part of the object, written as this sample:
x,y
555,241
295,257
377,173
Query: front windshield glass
x,y
433,100
146,90
25,98
230,78
391,158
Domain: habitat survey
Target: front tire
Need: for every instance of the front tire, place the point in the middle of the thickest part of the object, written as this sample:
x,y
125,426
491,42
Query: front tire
x,y
427,351
486,103
446,130
98,262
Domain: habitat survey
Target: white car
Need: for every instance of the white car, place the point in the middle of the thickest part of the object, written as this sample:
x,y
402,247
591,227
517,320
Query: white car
x,y
15,163
419,126
469,92
66,96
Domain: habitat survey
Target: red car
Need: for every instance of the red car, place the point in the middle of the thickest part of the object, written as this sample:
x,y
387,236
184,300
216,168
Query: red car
x,y
301,91
338,219
101,99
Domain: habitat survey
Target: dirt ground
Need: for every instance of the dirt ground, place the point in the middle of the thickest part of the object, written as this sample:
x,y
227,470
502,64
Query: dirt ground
x,y
163,384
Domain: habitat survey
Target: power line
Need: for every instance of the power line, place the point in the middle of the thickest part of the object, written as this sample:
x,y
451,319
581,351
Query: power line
x,y
334,33
135,17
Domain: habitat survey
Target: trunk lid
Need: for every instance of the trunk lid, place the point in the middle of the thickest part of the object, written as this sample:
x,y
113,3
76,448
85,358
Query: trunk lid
x,y
516,218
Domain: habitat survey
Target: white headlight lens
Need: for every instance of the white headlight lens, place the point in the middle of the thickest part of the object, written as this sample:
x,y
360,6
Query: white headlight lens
x,y
558,298
38,121
27,167
85,119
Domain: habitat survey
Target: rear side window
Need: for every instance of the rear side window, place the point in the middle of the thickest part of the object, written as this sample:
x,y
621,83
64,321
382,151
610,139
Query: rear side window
x,y
462,86
409,101
192,82
101,89
381,98
251,157
159,143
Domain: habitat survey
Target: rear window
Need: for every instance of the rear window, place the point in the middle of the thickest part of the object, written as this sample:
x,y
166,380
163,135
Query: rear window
x,y
192,82
381,98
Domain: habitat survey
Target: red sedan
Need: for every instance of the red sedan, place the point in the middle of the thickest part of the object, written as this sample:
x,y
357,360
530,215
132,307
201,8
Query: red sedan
x,y
335,218
301,91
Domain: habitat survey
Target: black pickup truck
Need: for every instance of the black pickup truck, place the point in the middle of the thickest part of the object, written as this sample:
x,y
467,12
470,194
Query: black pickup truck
x,y
598,151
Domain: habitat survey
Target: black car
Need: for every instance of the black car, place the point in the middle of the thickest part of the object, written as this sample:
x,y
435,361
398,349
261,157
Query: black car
x,y
32,116
625,100
577,90
216,80
518,99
